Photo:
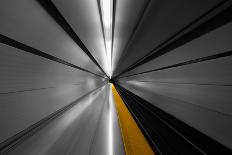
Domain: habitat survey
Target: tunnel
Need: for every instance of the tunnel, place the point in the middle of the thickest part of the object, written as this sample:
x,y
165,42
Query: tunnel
x,y
115,77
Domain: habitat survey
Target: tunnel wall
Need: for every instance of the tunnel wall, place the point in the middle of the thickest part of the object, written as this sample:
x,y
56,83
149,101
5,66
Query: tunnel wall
x,y
42,69
33,87
192,82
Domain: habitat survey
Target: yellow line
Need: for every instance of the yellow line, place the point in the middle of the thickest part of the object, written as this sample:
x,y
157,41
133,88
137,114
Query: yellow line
x,y
134,141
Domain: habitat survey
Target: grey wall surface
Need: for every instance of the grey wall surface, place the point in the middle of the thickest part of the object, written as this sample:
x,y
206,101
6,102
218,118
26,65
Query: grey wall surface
x,y
160,21
84,18
32,86
199,93
27,22
82,129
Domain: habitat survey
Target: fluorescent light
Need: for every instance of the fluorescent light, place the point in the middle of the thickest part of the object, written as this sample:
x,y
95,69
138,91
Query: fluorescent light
x,y
108,50
106,12
106,9
108,47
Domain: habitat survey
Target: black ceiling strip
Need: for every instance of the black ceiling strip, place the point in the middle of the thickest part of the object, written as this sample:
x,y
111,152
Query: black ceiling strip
x,y
215,22
113,29
54,12
207,58
13,141
26,48
141,15
171,135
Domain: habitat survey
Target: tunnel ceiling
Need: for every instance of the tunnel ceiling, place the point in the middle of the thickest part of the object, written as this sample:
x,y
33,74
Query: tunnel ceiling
x,y
140,29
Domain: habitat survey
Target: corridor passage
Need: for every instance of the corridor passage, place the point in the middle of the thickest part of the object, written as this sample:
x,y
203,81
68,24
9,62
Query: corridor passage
x,y
115,77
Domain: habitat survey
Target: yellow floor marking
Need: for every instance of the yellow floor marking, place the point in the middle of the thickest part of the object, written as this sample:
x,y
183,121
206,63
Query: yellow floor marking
x,y
134,141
